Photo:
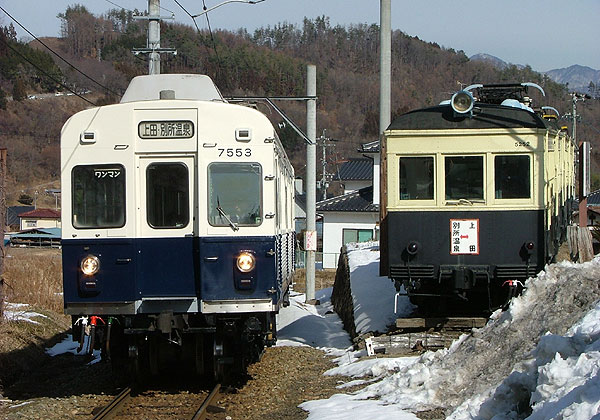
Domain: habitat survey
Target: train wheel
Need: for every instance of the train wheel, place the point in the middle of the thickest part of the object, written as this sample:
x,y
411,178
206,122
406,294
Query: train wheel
x,y
217,359
154,356
199,351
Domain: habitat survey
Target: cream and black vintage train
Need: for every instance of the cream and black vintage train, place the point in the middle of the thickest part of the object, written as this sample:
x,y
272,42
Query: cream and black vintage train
x,y
177,223
476,196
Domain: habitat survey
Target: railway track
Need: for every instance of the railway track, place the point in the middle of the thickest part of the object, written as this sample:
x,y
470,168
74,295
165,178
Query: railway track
x,y
126,405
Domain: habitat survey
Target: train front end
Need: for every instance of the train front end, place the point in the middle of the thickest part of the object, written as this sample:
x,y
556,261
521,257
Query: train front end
x,y
473,204
177,227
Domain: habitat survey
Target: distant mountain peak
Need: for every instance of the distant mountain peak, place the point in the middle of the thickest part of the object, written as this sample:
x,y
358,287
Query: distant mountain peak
x,y
493,60
577,76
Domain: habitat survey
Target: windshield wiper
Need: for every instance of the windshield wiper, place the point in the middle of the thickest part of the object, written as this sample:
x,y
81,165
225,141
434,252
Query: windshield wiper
x,y
224,215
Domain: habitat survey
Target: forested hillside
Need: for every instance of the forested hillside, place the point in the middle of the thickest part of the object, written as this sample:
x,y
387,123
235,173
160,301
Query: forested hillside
x,y
269,62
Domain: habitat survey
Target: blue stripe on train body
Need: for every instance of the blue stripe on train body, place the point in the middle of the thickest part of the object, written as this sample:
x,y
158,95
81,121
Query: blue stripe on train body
x,y
202,268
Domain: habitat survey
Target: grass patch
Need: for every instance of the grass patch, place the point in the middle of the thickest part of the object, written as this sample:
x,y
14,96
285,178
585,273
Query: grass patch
x,y
33,277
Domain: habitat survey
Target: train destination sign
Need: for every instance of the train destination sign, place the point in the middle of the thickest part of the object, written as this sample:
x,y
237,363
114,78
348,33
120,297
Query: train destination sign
x,y
166,129
464,236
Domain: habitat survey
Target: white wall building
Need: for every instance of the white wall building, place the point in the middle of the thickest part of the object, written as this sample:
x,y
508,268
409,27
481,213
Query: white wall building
x,y
353,216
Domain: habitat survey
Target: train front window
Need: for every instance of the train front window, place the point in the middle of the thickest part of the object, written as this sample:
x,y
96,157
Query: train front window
x,y
512,176
167,193
464,177
416,178
98,196
234,194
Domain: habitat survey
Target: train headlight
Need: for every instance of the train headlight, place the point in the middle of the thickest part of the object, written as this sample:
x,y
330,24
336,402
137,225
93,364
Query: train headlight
x,y
246,262
529,247
412,248
90,265
462,102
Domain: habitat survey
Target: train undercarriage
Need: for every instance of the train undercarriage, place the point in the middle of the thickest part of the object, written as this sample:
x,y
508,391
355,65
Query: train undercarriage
x,y
212,346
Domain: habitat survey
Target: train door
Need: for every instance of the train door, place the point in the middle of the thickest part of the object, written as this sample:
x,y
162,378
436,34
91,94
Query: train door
x,y
166,217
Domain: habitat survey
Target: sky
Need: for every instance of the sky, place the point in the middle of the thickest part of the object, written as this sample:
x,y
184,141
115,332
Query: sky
x,y
546,34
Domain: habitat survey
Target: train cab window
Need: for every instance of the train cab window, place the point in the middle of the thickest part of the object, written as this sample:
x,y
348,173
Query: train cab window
x,y
464,177
416,178
512,176
98,196
234,194
167,195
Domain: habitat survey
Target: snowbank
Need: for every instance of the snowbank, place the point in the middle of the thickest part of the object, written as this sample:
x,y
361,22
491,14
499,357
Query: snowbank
x,y
540,359
373,295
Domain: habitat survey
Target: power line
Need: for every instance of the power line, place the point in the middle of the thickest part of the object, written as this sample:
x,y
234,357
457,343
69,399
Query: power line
x,y
58,55
209,29
44,71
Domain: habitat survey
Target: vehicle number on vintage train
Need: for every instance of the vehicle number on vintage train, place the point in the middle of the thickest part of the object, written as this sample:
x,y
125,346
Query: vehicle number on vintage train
x,y
464,236
166,129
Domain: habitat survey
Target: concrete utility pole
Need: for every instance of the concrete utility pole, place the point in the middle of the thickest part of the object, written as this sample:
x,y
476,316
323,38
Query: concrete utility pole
x,y
154,36
3,174
584,164
325,143
310,240
385,84
153,47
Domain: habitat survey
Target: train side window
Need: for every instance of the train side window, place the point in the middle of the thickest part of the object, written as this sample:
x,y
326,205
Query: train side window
x,y
234,194
416,178
512,176
98,196
464,177
167,195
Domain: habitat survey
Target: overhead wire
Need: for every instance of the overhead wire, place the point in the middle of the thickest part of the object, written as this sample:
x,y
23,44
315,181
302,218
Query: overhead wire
x,y
58,55
209,30
44,71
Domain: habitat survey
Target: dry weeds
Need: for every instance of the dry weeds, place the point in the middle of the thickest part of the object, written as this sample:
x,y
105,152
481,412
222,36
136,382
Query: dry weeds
x,y
34,276
323,279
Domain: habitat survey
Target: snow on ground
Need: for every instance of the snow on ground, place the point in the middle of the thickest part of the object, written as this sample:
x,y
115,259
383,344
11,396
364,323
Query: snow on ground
x,y
19,312
538,360
373,295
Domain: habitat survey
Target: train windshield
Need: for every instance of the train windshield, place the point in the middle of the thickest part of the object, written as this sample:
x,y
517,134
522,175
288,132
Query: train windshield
x,y
512,179
464,177
416,178
234,194
98,196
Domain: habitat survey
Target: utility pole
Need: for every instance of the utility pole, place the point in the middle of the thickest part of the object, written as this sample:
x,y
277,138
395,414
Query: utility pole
x,y
324,175
310,239
584,164
3,174
153,47
385,64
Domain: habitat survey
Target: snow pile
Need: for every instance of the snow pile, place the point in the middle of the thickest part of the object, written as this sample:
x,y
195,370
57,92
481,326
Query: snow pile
x,y
540,359
19,312
373,296
310,325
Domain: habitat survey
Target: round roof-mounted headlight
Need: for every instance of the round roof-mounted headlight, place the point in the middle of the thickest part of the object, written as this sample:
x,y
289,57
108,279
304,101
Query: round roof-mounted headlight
x,y
462,102
245,262
90,265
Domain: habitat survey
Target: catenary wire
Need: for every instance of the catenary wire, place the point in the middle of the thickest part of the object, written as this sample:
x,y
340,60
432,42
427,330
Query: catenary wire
x,y
58,55
44,71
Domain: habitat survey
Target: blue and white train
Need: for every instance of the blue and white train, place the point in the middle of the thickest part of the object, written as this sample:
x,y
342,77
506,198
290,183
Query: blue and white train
x,y
177,223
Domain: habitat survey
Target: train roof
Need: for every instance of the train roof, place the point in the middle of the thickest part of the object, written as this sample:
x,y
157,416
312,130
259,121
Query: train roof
x,y
197,87
442,117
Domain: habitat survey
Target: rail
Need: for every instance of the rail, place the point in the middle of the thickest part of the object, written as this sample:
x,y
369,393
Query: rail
x,y
115,406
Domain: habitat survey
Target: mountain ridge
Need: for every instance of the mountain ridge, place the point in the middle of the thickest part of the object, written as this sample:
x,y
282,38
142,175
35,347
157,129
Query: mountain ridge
x,y
576,77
